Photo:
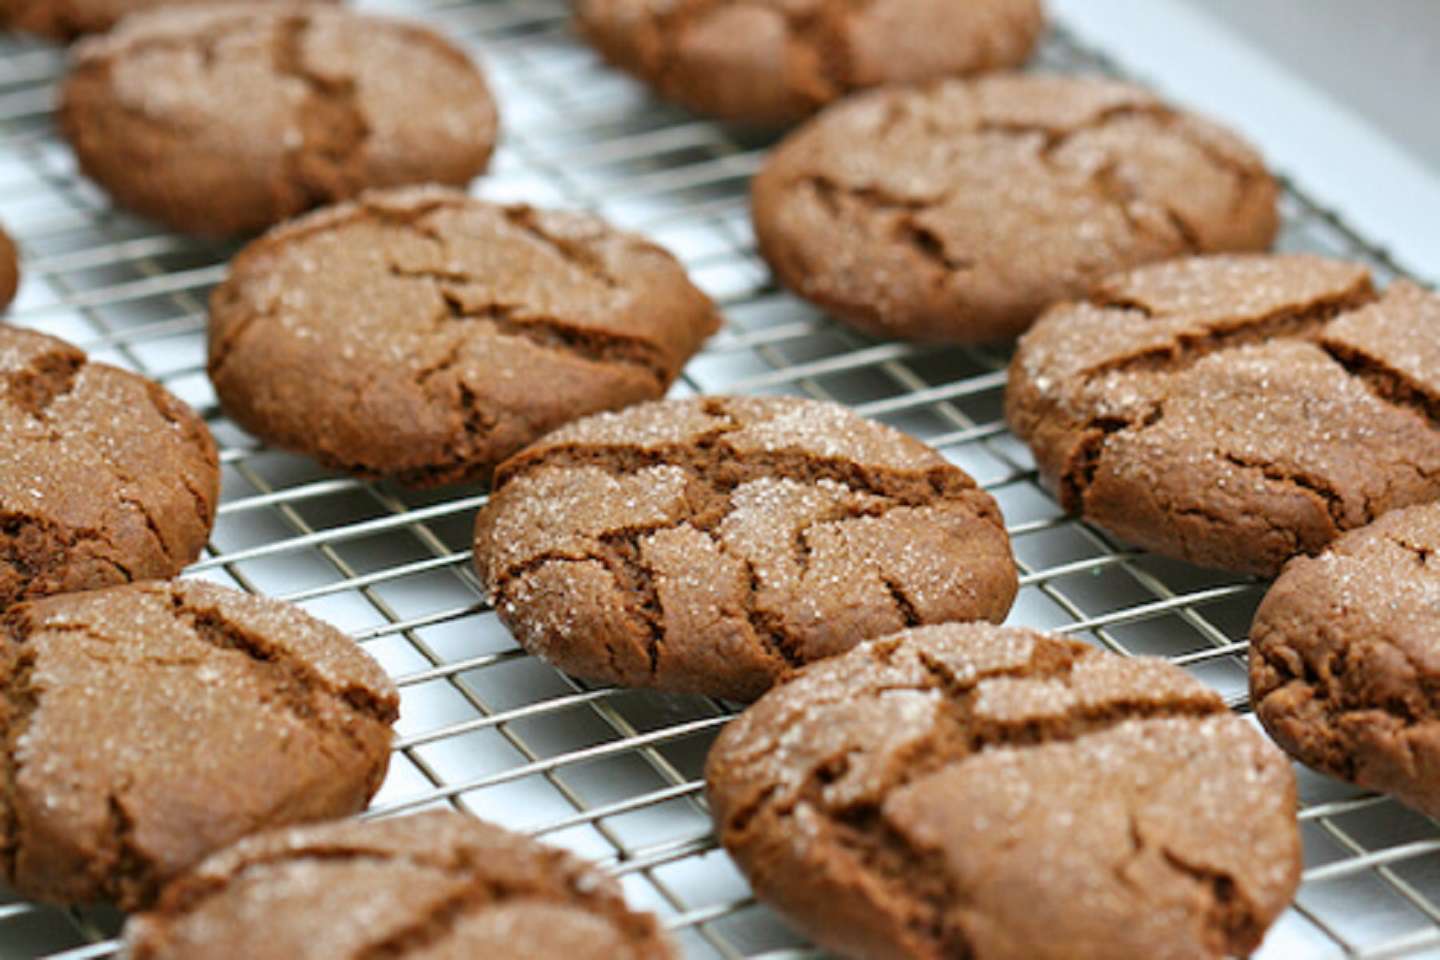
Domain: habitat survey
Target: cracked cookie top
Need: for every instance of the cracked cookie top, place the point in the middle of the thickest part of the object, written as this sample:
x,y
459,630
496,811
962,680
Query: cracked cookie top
x,y
709,545
104,476
148,725
1345,657
1234,411
960,210
976,791
422,335
775,61
68,19
433,886
227,118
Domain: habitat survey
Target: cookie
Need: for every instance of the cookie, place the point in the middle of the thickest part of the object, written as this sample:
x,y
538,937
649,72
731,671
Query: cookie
x,y
975,791
433,886
225,119
146,726
775,61
1234,411
709,545
67,19
104,476
958,211
1343,657
9,270
421,335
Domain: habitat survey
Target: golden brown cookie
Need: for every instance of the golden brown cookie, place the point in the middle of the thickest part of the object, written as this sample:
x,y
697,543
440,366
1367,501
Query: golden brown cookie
x,y
68,19
226,119
1345,657
775,61
1234,411
709,545
433,886
958,211
9,270
979,791
422,335
149,725
105,477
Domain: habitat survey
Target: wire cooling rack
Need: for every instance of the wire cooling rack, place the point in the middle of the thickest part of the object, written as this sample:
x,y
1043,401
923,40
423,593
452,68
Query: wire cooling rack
x,y
615,774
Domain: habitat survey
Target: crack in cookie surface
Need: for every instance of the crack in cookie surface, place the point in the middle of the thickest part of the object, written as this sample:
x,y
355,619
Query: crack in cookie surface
x,y
787,59
959,213
459,884
146,464
759,535
186,686
915,785
1226,364
1341,671
451,312
221,120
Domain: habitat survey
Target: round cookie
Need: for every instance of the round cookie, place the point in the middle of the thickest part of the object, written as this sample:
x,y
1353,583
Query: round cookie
x,y
148,725
976,791
775,61
433,886
9,270
958,211
1345,657
422,335
104,476
67,19
225,119
1234,411
709,545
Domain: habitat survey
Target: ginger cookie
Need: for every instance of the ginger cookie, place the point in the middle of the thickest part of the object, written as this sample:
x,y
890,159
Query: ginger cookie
x,y
1234,411
958,211
709,545
225,119
9,270
1345,657
975,791
773,62
433,886
425,336
104,476
148,725
67,19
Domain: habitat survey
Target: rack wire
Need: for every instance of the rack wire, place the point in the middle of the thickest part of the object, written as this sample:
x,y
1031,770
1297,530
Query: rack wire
x,y
615,774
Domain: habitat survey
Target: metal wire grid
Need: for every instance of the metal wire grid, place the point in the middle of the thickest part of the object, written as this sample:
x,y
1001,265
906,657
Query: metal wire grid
x,y
614,774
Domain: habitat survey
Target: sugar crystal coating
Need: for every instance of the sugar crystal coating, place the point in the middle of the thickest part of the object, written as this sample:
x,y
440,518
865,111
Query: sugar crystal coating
x,y
958,211
1345,656
433,886
225,118
105,477
1234,411
774,61
148,725
708,545
970,790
